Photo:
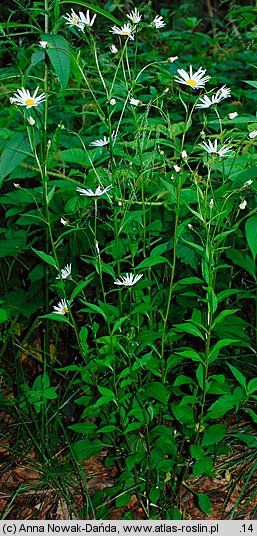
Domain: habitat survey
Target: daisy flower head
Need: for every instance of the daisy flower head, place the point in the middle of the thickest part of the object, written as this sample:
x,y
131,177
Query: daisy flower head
x,y
85,19
135,16
126,30
222,93
74,20
194,80
61,308
128,280
24,98
65,272
158,22
212,148
90,193
103,142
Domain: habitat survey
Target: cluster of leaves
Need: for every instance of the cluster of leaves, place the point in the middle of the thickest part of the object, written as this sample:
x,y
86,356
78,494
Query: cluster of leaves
x,y
164,362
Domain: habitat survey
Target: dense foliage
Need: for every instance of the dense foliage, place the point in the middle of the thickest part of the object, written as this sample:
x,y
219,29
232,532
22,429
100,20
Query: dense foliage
x,y
128,241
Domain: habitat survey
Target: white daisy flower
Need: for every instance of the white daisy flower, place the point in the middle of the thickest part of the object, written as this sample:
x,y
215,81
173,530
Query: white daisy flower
x,y
24,98
211,204
103,142
128,280
65,272
253,134
158,22
135,16
61,308
112,102
194,80
212,148
85,19
63,221
43,44
222,93
90,193
134,102
74,20
184,154
126,30
242,205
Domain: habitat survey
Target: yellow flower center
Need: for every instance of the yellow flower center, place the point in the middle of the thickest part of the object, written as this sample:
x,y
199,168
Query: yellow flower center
x,y
30,102
191,82
64,310
124,32
74,21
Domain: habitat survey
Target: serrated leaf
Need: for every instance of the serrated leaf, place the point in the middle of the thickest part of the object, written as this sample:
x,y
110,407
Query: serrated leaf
x,y
59,56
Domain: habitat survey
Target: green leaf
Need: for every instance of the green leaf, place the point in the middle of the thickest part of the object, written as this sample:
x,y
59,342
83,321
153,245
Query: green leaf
x,y
245,261
215,350
122,500
57,318
252,414
45,257
252,386
85,448
95,9
91,307
183,414
151,261
213,434
189,353
107,392
203,466
59,56
187,327
157,391
204,503
223,314
84,427
251,234
4,316
238,375
15,152
77,290
76,156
